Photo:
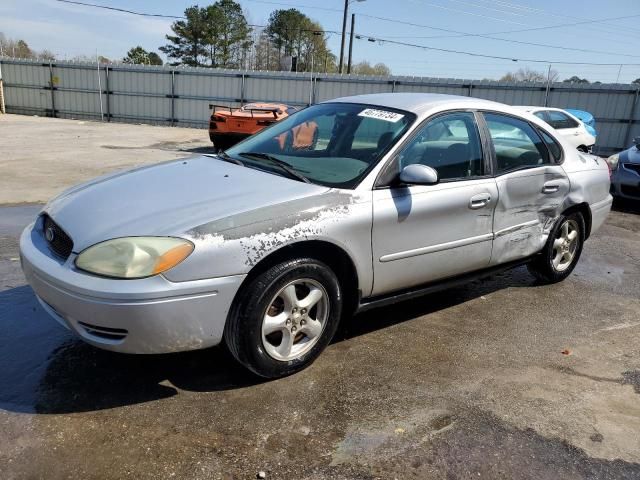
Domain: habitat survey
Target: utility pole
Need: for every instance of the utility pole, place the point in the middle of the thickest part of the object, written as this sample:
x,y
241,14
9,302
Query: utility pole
x,y
353,23
344,28
344,31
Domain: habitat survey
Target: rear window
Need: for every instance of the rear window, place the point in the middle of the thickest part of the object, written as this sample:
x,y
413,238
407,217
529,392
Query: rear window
x,y
554,148
559,120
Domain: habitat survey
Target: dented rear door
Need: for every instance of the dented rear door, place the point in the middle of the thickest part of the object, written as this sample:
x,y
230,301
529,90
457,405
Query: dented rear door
x,y
531,188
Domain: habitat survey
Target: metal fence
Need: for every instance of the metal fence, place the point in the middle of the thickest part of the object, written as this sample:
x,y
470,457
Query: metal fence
x,y
180,96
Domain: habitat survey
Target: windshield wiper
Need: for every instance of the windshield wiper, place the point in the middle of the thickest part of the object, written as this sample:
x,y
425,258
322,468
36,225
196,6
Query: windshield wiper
x,y
276,161
226,158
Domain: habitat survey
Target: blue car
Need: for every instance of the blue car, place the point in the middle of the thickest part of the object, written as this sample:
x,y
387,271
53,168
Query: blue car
x,y
586,118
625,172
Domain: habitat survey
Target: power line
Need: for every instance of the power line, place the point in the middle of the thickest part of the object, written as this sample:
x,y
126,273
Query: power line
x,y
481,35
482,55
464,12
394,42
122,10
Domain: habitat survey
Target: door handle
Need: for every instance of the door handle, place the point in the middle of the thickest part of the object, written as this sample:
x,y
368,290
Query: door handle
x,y
479,201
550,187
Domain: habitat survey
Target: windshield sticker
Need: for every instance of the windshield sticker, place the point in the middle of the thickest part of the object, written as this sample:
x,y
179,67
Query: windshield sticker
x,y
387,116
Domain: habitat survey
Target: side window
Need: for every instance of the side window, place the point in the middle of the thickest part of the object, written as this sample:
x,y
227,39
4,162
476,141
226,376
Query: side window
x,y
559,120
541,116
516,143
450,144
552,145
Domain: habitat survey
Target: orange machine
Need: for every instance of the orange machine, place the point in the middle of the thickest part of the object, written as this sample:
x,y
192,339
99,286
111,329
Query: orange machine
x,y
229,125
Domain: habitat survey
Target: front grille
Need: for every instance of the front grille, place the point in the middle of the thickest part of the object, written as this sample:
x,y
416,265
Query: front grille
x,y
630,191
632,166
59,242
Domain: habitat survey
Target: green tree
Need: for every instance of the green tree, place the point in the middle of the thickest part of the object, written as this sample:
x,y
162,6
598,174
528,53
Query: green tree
x,y
575,79
189,42
140,55
215,36
293,33
365,68
227,34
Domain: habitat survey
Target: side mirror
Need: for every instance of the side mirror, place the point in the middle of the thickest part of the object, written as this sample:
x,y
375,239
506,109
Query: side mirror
x,y
418,174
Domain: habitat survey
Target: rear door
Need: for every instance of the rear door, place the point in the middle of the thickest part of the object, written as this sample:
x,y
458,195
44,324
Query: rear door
x,y
423,233
531,187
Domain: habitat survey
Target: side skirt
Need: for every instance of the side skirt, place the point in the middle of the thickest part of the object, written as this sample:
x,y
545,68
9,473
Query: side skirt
x,y
402,295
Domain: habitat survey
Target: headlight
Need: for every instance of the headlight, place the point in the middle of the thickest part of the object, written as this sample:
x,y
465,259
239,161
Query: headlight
x,y
612,161
134,257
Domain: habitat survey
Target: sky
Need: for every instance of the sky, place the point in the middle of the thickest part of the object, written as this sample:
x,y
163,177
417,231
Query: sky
x,y
72,30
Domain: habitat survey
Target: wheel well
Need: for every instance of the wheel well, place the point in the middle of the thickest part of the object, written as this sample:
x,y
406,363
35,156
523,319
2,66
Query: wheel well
x,y
584,209
335,257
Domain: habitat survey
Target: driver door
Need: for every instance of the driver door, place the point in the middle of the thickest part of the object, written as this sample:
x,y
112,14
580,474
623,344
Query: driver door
x,y
423,233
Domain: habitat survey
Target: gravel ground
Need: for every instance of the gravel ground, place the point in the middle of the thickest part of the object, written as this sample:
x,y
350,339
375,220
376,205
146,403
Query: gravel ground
x,y
501,378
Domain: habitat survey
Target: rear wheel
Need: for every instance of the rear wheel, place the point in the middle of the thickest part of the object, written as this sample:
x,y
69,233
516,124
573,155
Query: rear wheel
x,y
562,251
284,317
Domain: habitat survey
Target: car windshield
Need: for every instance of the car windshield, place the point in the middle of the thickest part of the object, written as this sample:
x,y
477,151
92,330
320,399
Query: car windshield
x,y
332,144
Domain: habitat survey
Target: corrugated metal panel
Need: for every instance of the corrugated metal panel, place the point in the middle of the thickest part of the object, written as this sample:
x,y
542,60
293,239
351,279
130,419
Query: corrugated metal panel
x,y
25,74
142,108
332,87
296,90
143,93
78,102
76,78
138,81
33,101
209,85
193,112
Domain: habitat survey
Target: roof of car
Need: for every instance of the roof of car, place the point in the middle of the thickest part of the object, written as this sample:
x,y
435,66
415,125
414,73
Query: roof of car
x,y
418,102
530,108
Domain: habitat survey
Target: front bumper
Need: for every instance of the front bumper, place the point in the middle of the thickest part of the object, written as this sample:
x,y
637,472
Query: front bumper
x,y
625,183
150,315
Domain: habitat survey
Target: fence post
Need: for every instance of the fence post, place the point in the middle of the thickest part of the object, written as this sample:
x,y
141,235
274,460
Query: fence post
x,y
51,87
393,86
627,135
173,98
106,86
470,89
2,108
242,90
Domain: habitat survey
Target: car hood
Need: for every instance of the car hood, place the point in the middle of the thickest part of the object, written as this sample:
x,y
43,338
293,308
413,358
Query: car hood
x,y
168,199
631,155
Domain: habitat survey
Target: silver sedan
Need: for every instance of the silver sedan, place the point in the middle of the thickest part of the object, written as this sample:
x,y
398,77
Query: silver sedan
x,y
268,245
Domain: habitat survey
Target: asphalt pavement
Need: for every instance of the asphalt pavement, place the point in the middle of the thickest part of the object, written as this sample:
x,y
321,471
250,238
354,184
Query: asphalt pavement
x,y
501,378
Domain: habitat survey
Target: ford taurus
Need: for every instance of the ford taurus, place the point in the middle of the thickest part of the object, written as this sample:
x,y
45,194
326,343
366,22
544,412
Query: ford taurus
x,y
266,246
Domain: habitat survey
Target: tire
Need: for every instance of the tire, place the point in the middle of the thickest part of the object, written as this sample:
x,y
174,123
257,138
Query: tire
x,y
221,143
272,333
546,267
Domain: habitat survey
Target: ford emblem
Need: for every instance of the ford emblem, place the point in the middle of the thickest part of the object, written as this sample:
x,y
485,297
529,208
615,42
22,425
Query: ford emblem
x,y
49,234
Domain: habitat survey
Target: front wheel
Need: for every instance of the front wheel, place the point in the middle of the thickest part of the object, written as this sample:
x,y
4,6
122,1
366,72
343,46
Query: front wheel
x,y
284,317
562,251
